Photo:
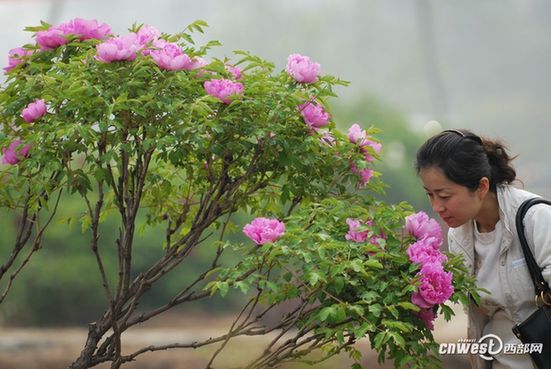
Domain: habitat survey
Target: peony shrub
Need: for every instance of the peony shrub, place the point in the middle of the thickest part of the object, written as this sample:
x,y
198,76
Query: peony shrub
x,y
354,262
146,122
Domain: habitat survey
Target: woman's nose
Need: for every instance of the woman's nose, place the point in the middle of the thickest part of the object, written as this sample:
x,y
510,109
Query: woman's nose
x,y
437,207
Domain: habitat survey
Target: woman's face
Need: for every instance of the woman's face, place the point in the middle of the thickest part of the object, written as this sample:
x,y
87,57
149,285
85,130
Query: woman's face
x,y
455,204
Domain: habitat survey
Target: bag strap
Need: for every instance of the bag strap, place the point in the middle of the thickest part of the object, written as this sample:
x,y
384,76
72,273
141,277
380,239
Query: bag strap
x,y
535,271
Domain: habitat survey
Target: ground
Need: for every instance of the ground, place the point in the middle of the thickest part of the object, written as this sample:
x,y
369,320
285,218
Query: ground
x,y
55,348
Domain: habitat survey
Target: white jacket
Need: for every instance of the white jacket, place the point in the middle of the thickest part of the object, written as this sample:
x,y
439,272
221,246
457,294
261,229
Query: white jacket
x,y
513,272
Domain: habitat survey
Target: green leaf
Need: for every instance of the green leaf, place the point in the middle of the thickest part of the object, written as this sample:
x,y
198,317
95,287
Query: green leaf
x,y
376,310
243,286
314,277
359,310
338,284
393,311
409,306
447,311
223,287
402,326
340,313
326,312
369,296
357,265
85,222
380,339
398,339
340,337
371,263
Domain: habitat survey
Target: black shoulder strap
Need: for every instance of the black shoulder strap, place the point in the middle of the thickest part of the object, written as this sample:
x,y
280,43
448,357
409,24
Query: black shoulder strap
x,y
535,271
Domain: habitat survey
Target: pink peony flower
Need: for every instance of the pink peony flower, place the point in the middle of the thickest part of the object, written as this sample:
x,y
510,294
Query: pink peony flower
x,y
359,137
327,139
365,174
426,251
235,71
427,316
223,89
264,230
197,63
302,69
51,38
170,56
376,146
15,153
86,29
420,225
314,115
356,134
155,44
435,288
15,57
362,236
353,233
34,110
147,34
118,49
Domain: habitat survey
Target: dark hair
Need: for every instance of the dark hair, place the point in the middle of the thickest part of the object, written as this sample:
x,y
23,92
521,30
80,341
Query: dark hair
x,y
465,158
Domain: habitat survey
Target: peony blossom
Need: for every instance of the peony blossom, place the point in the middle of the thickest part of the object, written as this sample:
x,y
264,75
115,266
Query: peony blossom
x,y
302,69
361,236
223,89
420,225
358,136
235,71
51,38
353,233
86,29
118,49
197,63
15,57
264,230
435,286
376,146
15,152
427,316
147,34
314,115
34,111
327,139
170,56
365,174
426,251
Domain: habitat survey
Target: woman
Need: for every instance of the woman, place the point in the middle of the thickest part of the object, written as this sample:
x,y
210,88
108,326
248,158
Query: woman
x,y
468,182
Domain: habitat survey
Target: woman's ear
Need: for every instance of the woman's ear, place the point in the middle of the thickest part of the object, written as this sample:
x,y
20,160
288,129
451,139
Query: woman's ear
x,y
484,186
